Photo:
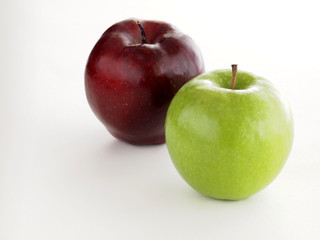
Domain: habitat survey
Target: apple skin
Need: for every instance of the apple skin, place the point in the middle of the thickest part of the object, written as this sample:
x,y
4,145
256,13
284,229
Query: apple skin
x,y
229,144
130,84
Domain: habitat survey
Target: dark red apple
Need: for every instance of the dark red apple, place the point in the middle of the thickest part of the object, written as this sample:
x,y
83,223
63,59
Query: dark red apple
x,y
132,74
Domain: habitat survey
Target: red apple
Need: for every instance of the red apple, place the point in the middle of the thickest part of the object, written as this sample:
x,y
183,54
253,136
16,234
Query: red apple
x,y
132,74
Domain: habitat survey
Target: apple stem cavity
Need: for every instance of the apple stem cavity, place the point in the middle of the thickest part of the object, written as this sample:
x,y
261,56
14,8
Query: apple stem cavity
x,y
143,35
234,75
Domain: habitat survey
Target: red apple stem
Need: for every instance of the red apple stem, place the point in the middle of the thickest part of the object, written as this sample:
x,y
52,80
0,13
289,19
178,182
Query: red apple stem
x,y
234,75
143,35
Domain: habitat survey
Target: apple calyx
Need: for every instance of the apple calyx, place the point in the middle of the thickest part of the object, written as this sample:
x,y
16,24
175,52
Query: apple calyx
x,y
234,75
143,35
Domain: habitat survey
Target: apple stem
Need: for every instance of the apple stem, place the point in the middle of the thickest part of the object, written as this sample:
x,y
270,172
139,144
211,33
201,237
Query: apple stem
x,y
143,35
234,75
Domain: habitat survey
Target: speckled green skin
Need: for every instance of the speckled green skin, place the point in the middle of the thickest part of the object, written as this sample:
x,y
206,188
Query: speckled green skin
x,y
229,144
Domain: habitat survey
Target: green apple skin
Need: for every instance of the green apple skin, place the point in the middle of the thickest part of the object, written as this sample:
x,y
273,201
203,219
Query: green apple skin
x,y
229,144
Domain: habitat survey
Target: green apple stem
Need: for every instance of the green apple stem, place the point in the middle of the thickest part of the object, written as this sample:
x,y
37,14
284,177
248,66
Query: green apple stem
x,y
234,75
143,35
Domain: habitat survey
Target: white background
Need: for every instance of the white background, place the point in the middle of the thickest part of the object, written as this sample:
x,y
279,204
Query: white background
x,y
62,176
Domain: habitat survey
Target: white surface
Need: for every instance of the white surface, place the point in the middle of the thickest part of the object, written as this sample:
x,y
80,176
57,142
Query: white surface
x,y
62,176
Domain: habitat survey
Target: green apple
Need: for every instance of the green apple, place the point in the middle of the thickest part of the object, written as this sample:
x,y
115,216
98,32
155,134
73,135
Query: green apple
x,y
229,133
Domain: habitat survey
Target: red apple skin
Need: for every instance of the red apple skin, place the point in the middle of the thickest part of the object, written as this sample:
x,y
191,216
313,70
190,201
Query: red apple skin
x,y
129,85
